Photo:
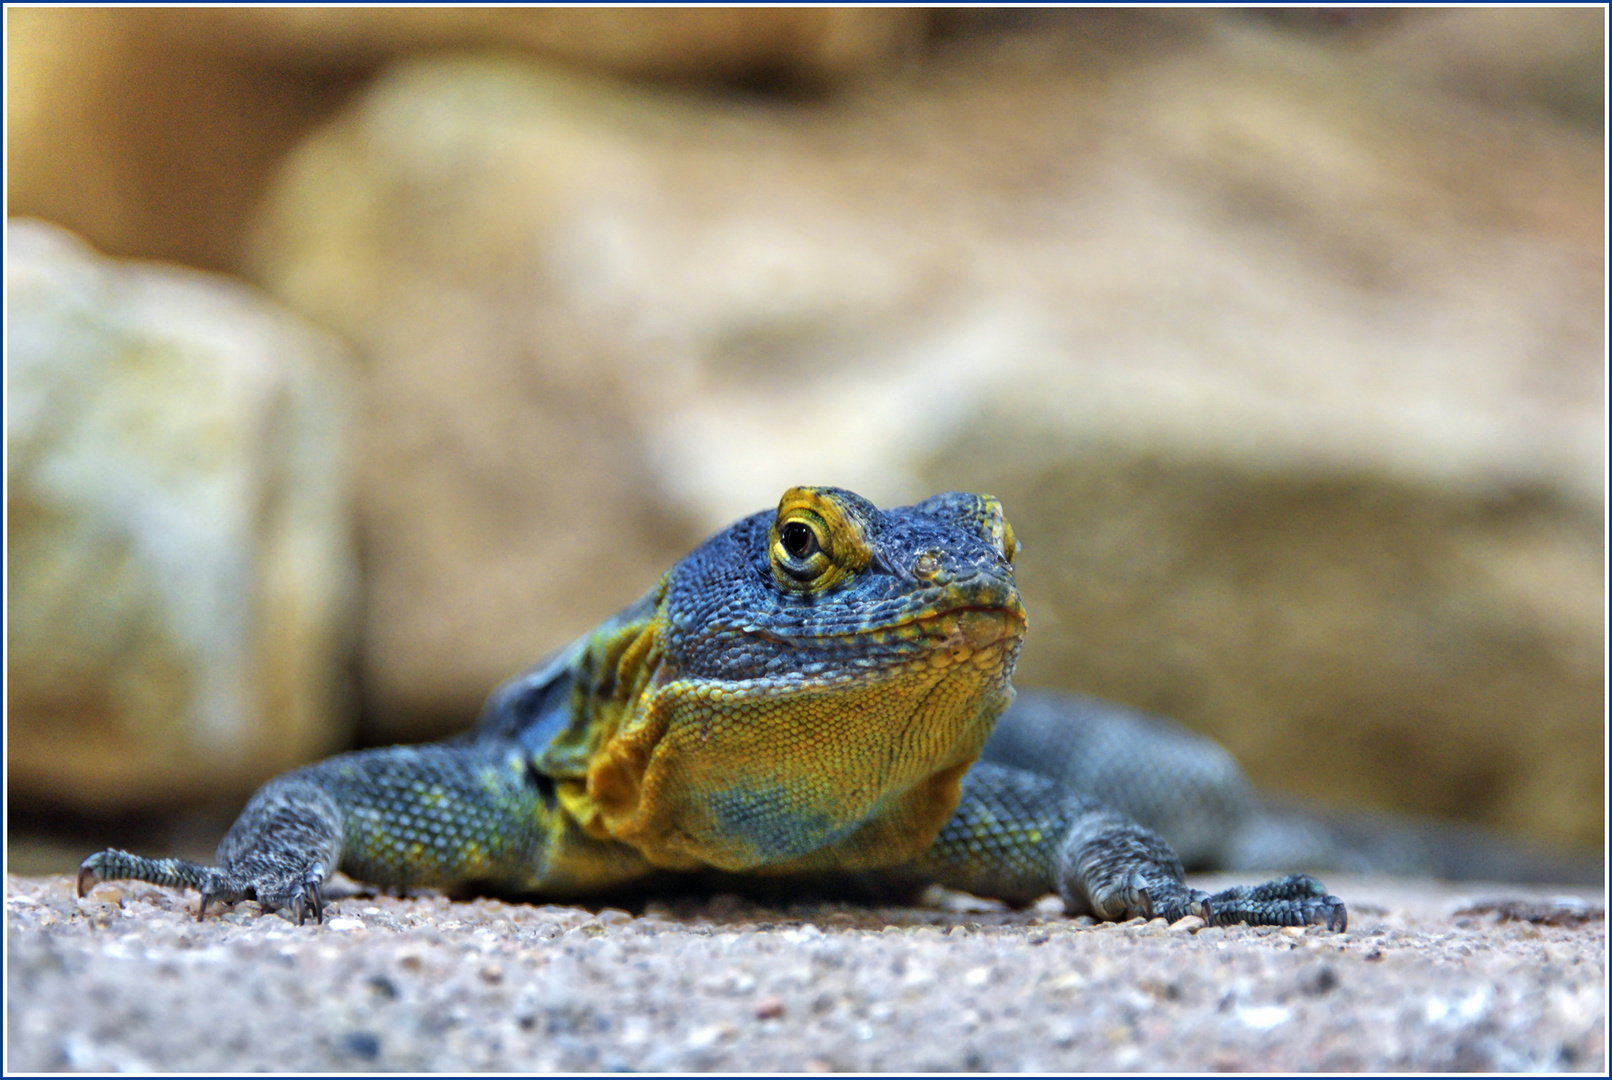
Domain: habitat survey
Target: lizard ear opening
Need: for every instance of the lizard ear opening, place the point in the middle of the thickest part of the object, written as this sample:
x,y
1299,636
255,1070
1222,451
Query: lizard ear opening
x,y
816,541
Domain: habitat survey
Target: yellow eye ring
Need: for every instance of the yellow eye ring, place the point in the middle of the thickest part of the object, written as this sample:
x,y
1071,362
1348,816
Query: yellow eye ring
x,y
799,551
818,540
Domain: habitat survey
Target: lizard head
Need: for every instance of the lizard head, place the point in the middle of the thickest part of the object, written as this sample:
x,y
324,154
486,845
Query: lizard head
x,y
812,686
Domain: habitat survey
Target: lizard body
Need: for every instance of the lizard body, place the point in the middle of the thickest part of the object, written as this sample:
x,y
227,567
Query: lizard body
x,y
806,695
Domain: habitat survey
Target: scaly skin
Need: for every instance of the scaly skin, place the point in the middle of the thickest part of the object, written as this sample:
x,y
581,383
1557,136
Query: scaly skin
x,y
806,694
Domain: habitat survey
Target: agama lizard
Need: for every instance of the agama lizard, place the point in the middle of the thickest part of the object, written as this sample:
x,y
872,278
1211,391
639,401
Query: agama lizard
x,y
804,697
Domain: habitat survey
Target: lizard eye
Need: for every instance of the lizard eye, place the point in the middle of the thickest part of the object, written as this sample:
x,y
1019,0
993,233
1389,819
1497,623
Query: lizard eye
x,y
818,540
798,539
798,550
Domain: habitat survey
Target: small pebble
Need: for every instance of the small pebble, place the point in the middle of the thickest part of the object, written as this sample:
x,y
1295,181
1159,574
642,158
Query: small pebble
x,y
1049,906
1559,952
362,1044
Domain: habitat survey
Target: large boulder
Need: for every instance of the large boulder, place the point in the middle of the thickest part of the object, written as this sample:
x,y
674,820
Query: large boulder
x,y
803,46
181,570
148,142
1287,367
151,131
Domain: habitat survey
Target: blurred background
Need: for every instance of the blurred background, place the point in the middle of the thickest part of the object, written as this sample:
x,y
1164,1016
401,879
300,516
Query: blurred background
x,y
356,358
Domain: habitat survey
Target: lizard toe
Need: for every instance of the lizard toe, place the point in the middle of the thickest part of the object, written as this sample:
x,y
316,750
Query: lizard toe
x,y
299,890
1296,900
1173,901
1330,913
1149,898
309,897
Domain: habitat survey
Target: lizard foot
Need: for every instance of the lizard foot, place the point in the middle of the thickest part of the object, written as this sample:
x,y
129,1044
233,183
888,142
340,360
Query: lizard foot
x,y
1296,900
115,865
1151,897
300,890
1116,869
275,889
281,849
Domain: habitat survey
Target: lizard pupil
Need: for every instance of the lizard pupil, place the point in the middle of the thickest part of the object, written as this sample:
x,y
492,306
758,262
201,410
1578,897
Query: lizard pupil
x,y
799,540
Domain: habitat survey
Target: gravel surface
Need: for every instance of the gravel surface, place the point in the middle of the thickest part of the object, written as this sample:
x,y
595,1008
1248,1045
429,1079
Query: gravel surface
x,y
1428,977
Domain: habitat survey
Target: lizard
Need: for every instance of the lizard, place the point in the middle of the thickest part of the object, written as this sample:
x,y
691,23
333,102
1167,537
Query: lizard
x,y
807,696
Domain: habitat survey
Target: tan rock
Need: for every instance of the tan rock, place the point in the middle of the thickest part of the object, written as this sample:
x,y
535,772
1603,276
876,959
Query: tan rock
x,y
181,575
1290,376
150,131
142,141
1505,57
812,44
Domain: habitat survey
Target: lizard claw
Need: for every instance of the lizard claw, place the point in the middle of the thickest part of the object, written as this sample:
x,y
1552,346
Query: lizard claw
x,y
305,900
1169,900
87,878
308,895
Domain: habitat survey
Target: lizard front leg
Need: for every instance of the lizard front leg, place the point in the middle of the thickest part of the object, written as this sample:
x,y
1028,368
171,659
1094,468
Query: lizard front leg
x,y
437,816
1114,868
279,851
1016,835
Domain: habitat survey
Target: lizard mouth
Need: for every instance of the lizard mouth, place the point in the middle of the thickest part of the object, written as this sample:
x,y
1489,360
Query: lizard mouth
x,y
985,631
983,637
973,627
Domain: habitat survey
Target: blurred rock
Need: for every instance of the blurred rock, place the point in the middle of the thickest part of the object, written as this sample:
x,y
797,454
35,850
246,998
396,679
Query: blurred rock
x,y
150,131
1290,375
181,572
803,46
146,145
1553,59
507,498
1550,59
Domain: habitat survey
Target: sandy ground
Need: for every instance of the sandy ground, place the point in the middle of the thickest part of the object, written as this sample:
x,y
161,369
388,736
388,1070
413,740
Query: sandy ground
x,y
1428,977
